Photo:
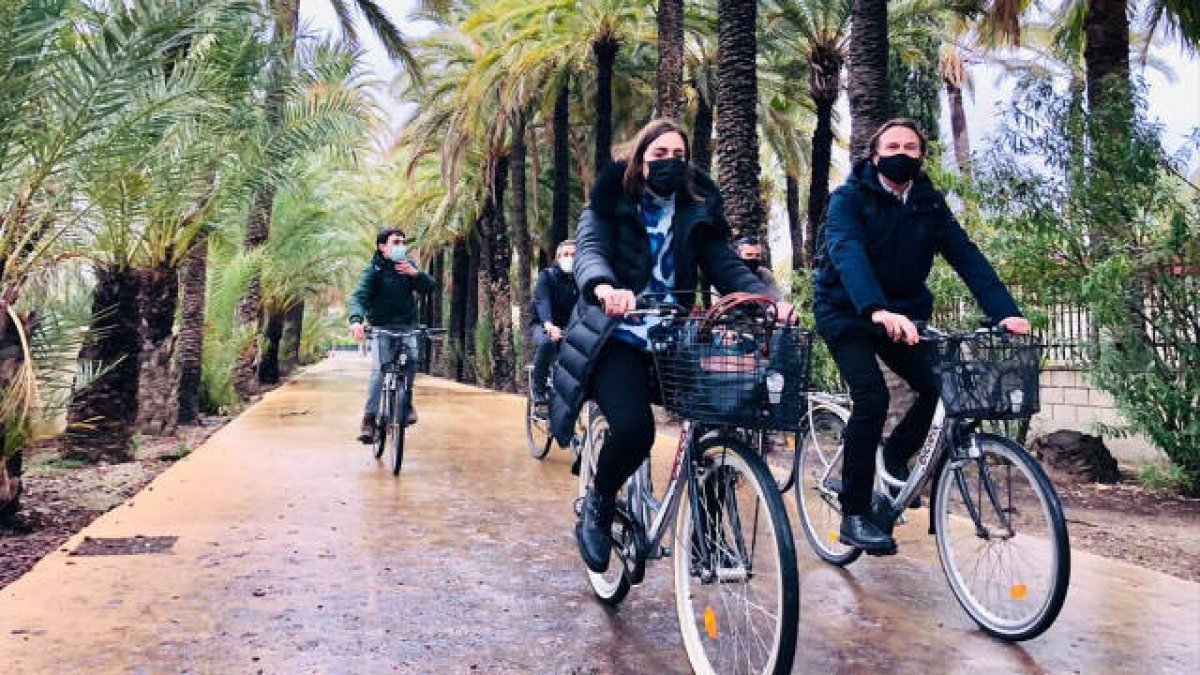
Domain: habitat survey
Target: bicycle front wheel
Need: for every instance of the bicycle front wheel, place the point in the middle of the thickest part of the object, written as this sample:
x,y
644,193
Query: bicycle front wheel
x,y
818,484
382,417
737,593
1002,539
398,422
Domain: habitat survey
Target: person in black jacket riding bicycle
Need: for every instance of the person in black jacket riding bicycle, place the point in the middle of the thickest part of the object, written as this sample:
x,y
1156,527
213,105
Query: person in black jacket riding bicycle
x,y
882,229
651,224
553,299
386,296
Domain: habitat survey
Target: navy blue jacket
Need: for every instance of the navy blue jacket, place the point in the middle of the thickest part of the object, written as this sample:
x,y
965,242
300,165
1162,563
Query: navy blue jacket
x,y
553,298
877,254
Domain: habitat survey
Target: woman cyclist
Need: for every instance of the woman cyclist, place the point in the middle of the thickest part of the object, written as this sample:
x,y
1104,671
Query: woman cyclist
x,y
651,224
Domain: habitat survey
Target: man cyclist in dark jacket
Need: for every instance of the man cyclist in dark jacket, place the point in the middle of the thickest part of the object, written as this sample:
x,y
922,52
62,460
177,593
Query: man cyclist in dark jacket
x,y
883,228
553,299
386,298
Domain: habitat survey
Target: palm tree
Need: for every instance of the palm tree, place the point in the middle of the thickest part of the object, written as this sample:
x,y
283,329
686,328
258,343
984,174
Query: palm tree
x,y
737,117
822,27
868,60
286,18
670,58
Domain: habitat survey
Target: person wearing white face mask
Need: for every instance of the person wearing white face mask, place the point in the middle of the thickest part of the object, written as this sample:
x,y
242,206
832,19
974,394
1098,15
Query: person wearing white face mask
x,y
386,297
553,299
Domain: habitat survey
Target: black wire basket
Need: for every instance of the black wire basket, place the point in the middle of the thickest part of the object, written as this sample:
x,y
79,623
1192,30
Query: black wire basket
x,y
735,374
990,376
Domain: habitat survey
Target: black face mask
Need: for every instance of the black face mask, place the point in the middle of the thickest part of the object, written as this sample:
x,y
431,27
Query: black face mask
x,y
753,264
667,176
899,168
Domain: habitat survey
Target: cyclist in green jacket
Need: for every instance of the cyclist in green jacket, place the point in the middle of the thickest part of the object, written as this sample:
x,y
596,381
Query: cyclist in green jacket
x,y
385,297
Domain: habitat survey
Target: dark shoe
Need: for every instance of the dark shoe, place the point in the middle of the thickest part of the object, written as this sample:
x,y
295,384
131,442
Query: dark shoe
x,y
366,433
860,532
593,533
412,416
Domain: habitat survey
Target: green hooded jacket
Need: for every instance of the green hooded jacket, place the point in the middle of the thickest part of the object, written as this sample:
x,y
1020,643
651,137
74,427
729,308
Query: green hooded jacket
x,y
384,297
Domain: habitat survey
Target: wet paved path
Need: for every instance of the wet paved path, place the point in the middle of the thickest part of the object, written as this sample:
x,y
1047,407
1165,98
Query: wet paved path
x,y
296,553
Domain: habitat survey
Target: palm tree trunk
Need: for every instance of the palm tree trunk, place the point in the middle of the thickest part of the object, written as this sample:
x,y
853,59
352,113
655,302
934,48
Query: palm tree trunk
x,y
524,242
12,359
818,186
560,209
289,345
191,330
258,225
268,368
670,59
605,52
101,416
456,354
958,126
472,314
702,131
868,86
795,222
497,263
737,115
158,387
1106,56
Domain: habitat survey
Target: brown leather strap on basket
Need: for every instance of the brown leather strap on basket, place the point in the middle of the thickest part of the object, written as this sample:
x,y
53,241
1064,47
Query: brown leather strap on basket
x,y
728,303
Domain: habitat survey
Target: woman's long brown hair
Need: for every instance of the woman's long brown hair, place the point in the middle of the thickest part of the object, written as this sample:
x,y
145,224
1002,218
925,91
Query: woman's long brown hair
x,y
634,183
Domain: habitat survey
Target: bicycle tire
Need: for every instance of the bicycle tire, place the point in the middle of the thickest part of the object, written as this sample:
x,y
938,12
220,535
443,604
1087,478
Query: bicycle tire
x,y
722,452
819,518
539,446
399,423
613,585
379,443
1057,545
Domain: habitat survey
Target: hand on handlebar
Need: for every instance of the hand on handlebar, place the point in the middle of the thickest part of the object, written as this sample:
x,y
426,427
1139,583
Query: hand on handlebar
x,y
899,327
553,332
616,301
785,313
1016,324
358,332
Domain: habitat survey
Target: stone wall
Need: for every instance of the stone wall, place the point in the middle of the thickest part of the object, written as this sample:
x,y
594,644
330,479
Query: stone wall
x,y
1069,401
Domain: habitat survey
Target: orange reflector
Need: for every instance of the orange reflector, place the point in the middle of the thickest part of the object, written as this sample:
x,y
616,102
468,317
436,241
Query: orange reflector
x,y
833,536
710,623
1018,591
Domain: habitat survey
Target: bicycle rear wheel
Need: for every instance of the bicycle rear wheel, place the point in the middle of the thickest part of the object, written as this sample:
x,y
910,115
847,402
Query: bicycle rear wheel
x,y
399,421
1002,539
537,426
818,484
613,584
739,606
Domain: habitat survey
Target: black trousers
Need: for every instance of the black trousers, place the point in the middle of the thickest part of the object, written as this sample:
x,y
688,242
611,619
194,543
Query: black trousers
x,y
544,351
855,358
621,387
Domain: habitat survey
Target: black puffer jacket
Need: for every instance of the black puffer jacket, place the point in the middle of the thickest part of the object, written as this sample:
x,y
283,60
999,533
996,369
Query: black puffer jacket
x,y
612,247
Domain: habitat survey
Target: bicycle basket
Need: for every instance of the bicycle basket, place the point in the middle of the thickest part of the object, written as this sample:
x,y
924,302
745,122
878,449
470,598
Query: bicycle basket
x,y
734,374
990,377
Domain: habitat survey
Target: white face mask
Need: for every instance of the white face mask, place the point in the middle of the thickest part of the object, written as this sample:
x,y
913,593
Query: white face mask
x,y
567,264
397,252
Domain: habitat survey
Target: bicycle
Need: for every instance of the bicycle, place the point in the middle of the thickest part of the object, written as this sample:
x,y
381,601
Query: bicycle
x,y
736,583
991,503
395,398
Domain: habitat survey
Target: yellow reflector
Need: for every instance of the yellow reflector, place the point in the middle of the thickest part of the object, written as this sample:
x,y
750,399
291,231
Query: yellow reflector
x,y
833,536
1018,591
710,623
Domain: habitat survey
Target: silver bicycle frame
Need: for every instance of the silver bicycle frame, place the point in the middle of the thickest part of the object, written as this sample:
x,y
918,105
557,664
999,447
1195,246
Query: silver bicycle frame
x,y
656,516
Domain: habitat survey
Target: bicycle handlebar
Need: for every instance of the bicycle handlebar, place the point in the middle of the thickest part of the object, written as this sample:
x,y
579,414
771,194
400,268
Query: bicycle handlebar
x,y
372,330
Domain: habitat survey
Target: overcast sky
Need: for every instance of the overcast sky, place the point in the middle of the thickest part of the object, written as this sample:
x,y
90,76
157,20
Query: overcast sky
x,y
1176,104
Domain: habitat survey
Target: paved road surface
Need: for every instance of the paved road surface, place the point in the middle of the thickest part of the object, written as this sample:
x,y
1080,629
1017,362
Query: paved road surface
x,y
296,553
